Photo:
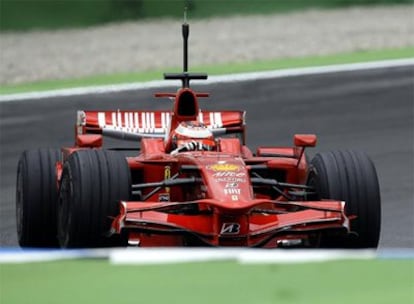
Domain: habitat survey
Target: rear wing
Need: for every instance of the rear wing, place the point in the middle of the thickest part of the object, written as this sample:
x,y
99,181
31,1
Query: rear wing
x,y
135,125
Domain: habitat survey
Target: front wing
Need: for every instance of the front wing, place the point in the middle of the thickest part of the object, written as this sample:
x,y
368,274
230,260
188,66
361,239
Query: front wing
x,y
259,223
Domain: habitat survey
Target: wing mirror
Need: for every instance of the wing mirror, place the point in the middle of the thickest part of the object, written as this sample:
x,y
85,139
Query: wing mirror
x,y
305,140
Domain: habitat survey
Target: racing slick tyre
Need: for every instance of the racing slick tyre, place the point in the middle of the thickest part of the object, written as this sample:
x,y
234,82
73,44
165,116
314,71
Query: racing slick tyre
x,y
36,198
93,182
349,176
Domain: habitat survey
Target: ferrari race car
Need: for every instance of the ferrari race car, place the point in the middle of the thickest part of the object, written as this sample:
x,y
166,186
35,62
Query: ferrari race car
x,y
194,182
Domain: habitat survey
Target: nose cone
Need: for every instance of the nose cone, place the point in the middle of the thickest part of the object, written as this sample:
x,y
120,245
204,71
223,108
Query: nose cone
x,y
228,181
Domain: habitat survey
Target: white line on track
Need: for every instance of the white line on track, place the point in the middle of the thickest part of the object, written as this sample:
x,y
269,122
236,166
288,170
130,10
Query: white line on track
x,y
212,80
145,256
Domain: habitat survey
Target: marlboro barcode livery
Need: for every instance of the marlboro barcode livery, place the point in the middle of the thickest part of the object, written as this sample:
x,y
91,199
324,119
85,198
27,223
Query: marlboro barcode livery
x,y
192,181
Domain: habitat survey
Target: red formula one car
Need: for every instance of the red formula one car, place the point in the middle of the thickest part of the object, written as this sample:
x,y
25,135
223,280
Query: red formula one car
x,y
193,183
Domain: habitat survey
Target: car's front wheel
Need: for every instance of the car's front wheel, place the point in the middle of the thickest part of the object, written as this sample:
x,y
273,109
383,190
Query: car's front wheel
x,y
93,182
349,176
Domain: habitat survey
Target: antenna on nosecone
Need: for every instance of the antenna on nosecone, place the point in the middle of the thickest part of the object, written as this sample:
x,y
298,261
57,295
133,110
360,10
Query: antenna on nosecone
x,y
185,76
185,31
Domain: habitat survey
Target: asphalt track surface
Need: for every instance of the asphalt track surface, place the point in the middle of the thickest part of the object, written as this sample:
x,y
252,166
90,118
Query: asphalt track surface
x,y
370,110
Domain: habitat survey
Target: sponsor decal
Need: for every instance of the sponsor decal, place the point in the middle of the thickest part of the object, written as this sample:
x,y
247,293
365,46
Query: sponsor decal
x,y
231,185
164,197
167,175
229,174
228,191
230,180
230,228
219,167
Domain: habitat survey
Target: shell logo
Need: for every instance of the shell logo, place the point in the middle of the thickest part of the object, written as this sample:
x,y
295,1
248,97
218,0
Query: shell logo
x,y
224,167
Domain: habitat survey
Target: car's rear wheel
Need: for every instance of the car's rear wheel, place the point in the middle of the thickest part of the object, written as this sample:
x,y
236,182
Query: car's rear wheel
x,y
93,182
349,176
36,198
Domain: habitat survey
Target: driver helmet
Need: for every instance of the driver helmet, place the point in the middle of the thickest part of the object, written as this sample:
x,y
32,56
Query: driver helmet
x,y
194,131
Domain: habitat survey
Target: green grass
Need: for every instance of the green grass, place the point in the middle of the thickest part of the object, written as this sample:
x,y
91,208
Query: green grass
x,y
364,56
96,281
52,14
